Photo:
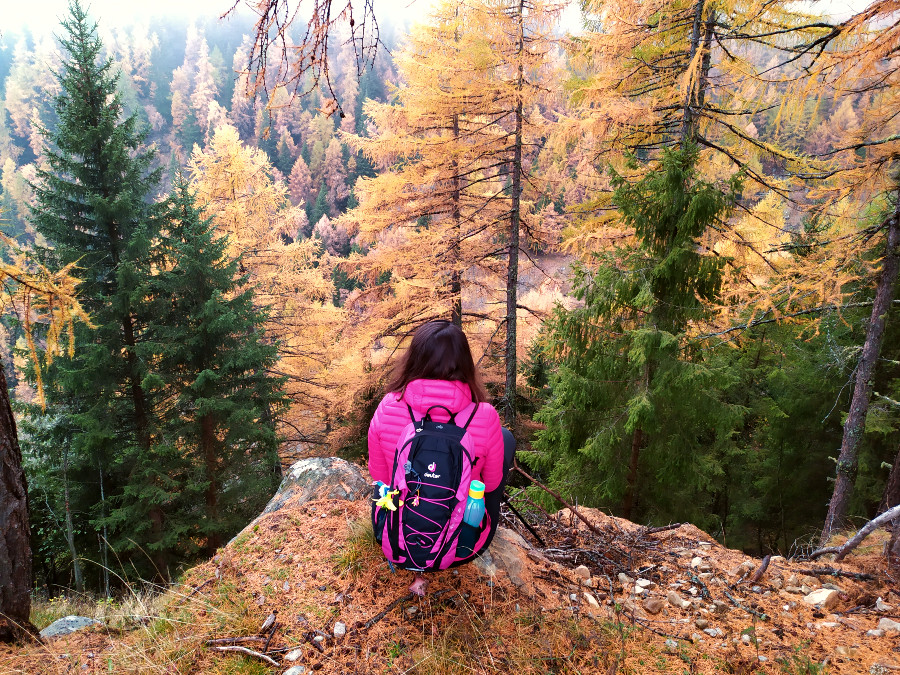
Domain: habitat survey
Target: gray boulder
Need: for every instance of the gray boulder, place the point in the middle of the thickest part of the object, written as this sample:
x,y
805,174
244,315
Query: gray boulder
x,y
507,553
68,624
319,478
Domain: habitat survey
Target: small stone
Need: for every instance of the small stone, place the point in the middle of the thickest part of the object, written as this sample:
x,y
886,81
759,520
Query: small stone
x,y
677,601
692,590
321,638
806,590
889,626
671,646
745,639
875,632
643,583
293,655
696,638
824,597
573,597
589,583
701,623
340,629
777,583
763,659
583,572
67,625
792,580
882,606
286,586
591,600
411,611
720,607
833,587
793,589
654,605
843,650
639,590
713,632
811,582
827,624
756,589
295,670
624,579
696,561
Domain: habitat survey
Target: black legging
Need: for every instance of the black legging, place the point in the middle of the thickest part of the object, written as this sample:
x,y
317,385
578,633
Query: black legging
x,y
493,498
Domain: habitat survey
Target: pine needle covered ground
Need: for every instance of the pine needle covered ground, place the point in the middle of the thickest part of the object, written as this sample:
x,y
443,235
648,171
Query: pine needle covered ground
x,y
316,567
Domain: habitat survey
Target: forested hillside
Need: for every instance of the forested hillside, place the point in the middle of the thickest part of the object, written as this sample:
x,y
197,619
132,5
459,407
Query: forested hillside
x,y
670,237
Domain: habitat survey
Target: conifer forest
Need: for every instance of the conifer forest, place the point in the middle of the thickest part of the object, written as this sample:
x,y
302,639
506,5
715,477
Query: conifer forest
x,y
669,230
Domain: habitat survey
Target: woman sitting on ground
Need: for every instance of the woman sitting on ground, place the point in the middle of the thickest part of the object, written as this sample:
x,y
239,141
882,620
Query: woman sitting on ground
x,y
438,370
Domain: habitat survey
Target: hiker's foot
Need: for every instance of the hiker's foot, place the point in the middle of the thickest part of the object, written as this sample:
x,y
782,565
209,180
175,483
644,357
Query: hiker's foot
x,y
419,585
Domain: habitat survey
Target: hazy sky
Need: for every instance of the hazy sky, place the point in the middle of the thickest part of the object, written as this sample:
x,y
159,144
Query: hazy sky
x,y
44,15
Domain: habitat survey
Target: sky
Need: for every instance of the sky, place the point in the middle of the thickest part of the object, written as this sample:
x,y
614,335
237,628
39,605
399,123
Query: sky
x,y
44,15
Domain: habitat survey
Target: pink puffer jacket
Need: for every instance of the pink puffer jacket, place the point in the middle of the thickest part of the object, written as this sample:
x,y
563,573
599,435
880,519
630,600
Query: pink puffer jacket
x,y
392,416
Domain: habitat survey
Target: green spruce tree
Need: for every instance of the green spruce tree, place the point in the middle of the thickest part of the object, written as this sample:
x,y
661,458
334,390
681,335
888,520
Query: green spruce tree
x,y
95,205
634,421
215,376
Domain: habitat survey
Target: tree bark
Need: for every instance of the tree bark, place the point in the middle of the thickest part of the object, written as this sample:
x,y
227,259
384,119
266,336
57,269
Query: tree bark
x,y
456,255
15,532
862,388
210,458
891,495
70,527
512,271
637,440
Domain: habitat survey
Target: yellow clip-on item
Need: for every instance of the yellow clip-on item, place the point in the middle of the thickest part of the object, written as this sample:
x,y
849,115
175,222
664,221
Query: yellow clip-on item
x,y
386,501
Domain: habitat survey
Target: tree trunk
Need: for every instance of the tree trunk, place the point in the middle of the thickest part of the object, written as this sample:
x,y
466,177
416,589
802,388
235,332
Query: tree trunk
x,y
456,254
15,532
862,388
70,527
637,440
210,459
512,272
891,495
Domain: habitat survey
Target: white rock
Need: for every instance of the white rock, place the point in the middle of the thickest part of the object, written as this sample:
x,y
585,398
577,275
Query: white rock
x,y
882,606
824,597
295,670
643,583
340,629
624,579
875,632
639,590
677,601
591,600
889,626
293,655
583,572
696,561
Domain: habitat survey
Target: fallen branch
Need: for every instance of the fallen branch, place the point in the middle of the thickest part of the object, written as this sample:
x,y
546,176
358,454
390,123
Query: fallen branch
x,y
664,528
233,640
758,574
249,652
865,531
271,635
737,603
831,572
196,590
556,496
378,617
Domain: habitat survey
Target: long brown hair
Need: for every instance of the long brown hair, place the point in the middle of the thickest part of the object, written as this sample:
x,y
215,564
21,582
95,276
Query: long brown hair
x,y
439,351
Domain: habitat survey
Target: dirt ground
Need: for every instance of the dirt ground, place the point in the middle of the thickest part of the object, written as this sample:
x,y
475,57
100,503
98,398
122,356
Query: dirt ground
x,y
339,608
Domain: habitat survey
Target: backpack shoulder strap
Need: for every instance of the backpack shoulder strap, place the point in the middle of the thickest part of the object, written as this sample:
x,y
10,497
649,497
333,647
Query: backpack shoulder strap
x,y
412,415
472,416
